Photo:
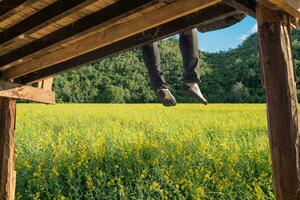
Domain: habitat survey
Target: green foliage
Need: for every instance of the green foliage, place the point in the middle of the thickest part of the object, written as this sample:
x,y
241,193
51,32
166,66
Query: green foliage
x,y
143,151
124,78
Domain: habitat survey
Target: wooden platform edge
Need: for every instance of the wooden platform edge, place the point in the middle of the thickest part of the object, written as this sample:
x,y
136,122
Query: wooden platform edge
x,y
25,92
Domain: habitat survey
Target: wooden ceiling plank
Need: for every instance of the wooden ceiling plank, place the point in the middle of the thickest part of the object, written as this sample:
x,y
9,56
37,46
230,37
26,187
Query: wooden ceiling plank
x,y
43,18
113,34
91,22
203,17
7,7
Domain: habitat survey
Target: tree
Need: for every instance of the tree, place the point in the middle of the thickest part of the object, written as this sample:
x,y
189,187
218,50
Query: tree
x,y
227,76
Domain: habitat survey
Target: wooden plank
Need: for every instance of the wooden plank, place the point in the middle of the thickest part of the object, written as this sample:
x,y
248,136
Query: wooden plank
x,y
46,84
43,18
113,34
248,6
89,23
7,149
17,91
203,17
280,85
290,6
7,7
295,4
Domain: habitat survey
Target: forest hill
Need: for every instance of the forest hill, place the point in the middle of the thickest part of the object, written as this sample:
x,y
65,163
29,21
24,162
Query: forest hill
x,y
232,76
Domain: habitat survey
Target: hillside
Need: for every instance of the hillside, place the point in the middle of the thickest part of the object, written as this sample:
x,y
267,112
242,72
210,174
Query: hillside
x,y
230,76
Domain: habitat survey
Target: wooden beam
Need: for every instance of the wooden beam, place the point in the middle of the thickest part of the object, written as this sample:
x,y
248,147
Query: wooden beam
x,y
203,17
86,24
287,4
7,149
8,7
110,35
281,92
248,6
46,84
43,18
17,91
290,6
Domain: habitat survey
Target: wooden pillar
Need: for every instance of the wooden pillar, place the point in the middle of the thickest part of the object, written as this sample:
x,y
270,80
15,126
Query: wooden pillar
x,y
279,80
7,148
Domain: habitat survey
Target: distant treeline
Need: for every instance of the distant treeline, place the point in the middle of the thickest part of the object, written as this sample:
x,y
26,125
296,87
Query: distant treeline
x,y
227,76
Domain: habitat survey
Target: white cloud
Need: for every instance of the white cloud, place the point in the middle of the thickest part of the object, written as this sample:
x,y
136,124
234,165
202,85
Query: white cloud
x,y
254,29
244,37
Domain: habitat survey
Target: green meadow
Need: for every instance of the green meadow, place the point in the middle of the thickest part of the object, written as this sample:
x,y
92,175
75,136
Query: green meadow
x,y
142,151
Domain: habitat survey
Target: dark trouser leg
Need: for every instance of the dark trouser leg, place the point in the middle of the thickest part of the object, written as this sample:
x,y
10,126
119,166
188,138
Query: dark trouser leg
x,y
188,42
152,61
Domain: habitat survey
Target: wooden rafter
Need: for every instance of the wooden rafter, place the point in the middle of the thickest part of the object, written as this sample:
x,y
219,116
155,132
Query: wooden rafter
x,y
89,23
43,18
7,7
203,17
110,35
248,6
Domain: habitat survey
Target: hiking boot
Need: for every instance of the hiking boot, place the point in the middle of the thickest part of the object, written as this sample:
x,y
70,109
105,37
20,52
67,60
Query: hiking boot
x,y
166,98
193,89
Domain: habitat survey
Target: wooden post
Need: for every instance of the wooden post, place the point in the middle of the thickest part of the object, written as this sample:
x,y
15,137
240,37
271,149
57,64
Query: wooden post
x,y
7,160
279,79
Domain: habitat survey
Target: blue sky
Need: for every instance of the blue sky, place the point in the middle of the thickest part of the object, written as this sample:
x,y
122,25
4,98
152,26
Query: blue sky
x,y
231,37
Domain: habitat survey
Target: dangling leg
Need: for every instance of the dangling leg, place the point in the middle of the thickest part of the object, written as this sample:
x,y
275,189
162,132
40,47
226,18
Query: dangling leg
x,y
188,42
152,61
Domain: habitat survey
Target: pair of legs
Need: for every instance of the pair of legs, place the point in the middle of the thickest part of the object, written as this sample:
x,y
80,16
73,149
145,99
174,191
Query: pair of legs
x,y
188,43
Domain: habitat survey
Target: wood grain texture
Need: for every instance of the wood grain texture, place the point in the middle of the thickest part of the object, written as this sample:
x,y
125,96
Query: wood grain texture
x,y
113,34
7,150
46,84
74,31
290,6
248,6
202,17
17,91
279,80
43,18
7,7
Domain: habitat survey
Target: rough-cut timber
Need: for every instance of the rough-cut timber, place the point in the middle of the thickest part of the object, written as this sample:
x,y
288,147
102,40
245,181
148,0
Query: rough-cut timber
x,y
201,18
93,21
25,92
110,35
7,7
43,18
248,6
279,79
46,84
7,148
290,6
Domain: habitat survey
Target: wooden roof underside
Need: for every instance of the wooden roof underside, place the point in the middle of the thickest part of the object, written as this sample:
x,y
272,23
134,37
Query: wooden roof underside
x,y
41,38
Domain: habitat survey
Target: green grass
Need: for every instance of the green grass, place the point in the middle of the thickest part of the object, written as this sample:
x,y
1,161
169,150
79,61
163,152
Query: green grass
x,y
142,152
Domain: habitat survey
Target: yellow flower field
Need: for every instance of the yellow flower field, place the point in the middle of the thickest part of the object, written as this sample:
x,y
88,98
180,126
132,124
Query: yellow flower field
x,y
97,151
